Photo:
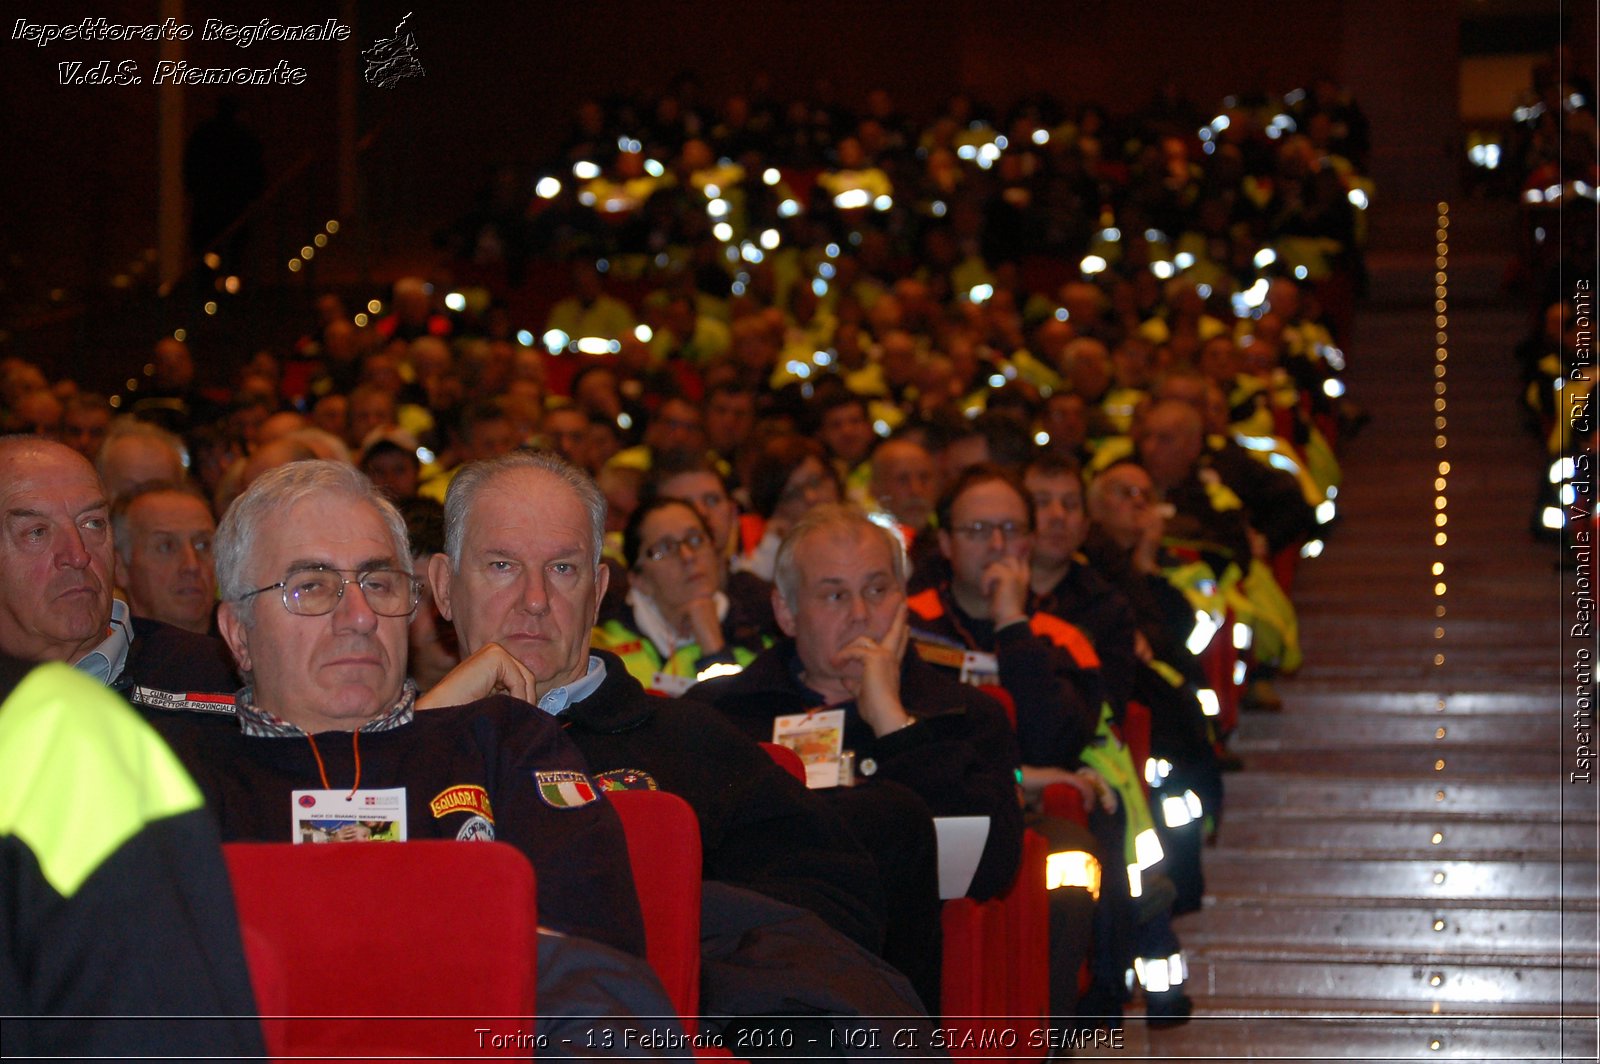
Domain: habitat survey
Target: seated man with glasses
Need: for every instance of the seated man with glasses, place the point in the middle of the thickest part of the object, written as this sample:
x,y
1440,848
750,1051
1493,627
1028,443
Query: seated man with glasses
x,y
676,625
984,605
317,589
983,623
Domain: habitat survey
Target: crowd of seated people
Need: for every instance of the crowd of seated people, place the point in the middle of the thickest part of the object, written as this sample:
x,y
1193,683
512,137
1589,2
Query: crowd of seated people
x,y
1551,156
991,436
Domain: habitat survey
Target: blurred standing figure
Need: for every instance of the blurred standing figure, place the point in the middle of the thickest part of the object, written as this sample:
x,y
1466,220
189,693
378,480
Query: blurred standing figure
x,y
223,174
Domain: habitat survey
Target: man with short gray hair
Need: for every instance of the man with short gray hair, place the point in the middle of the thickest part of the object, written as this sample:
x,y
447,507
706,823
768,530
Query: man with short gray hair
x,y
135,452
841,599
163,536
57,598
325,744
522,568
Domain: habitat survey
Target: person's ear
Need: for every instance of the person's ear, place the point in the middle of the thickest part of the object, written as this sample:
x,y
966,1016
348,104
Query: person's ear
x,y
785,616
602,581
439,576
235,634
944,542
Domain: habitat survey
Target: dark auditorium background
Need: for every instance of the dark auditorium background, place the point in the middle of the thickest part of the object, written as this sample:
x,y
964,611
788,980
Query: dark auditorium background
x,y
502,80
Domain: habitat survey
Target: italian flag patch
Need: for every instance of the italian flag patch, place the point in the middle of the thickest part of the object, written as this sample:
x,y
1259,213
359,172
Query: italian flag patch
x,y
565,790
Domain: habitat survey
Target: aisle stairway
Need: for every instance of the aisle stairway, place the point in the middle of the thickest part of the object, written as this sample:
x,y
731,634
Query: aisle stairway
x,y
1402,872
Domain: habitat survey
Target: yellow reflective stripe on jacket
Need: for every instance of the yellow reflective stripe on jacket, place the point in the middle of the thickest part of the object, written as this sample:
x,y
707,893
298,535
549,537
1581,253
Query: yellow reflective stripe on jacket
x,y
644,661
82,774
1108,756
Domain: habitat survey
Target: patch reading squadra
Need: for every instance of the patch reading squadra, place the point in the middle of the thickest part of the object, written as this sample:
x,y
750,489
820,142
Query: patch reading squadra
x,y
626,779
565,789
465,796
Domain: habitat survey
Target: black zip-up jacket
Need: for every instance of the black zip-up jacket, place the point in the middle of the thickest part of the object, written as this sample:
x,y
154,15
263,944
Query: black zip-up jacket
x,y
1057,697
500,750
1087,600
960,757
118,937
174,660
759,827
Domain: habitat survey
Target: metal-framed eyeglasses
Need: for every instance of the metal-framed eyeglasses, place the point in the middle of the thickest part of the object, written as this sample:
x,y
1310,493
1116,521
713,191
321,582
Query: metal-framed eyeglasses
x,y
980,531
667,546
317,591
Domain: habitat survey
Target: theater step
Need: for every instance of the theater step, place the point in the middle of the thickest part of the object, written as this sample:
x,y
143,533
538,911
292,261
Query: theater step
x,y
1440,838
1315,700
1366,730
1479,763
1450,927
1276,794
1357,1034
1419,981
1534,883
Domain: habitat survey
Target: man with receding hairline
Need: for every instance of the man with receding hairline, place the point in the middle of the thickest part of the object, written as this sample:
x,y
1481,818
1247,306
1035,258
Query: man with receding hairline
x,y
522,568
56,587
163,552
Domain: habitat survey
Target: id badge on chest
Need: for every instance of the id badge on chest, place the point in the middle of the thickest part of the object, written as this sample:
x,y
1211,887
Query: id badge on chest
x,y
671,686
979,668
818,737
346,816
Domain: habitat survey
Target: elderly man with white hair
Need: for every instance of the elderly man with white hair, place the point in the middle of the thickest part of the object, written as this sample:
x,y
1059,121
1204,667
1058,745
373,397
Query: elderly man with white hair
x,y
324,743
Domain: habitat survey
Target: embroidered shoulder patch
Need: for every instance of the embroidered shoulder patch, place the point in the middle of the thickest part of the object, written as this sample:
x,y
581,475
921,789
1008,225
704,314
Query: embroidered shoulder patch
x,y
476,829
935,654
205,703
626,779
565,789
468,797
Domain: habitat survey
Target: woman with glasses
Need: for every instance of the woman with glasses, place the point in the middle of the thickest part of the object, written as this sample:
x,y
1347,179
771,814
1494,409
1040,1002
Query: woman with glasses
x,y
675,626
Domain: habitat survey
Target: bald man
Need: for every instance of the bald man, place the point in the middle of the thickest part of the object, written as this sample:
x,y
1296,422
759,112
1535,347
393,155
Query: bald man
x,y
905,482
136,452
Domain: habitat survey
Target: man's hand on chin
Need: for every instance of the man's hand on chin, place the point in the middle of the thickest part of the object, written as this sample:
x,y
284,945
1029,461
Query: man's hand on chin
x,y
492,670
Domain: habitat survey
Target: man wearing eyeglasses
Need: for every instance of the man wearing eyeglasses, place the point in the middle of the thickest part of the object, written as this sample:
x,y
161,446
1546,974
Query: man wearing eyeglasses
x,y
317,591
982,623
985,535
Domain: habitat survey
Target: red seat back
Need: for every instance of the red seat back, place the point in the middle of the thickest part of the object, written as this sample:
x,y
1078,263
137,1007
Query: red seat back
x,y
348,942
664,851
997,961
787,760
1136,734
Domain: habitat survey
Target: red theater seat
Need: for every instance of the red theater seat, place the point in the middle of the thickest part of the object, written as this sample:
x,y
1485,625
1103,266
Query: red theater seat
x,y
347,943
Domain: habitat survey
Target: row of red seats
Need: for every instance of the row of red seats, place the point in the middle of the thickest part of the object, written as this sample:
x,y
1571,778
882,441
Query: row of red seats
x,y
445,962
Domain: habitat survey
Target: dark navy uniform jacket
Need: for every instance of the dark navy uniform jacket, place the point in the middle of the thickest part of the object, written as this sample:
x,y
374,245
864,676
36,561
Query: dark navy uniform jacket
x,y
498,760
